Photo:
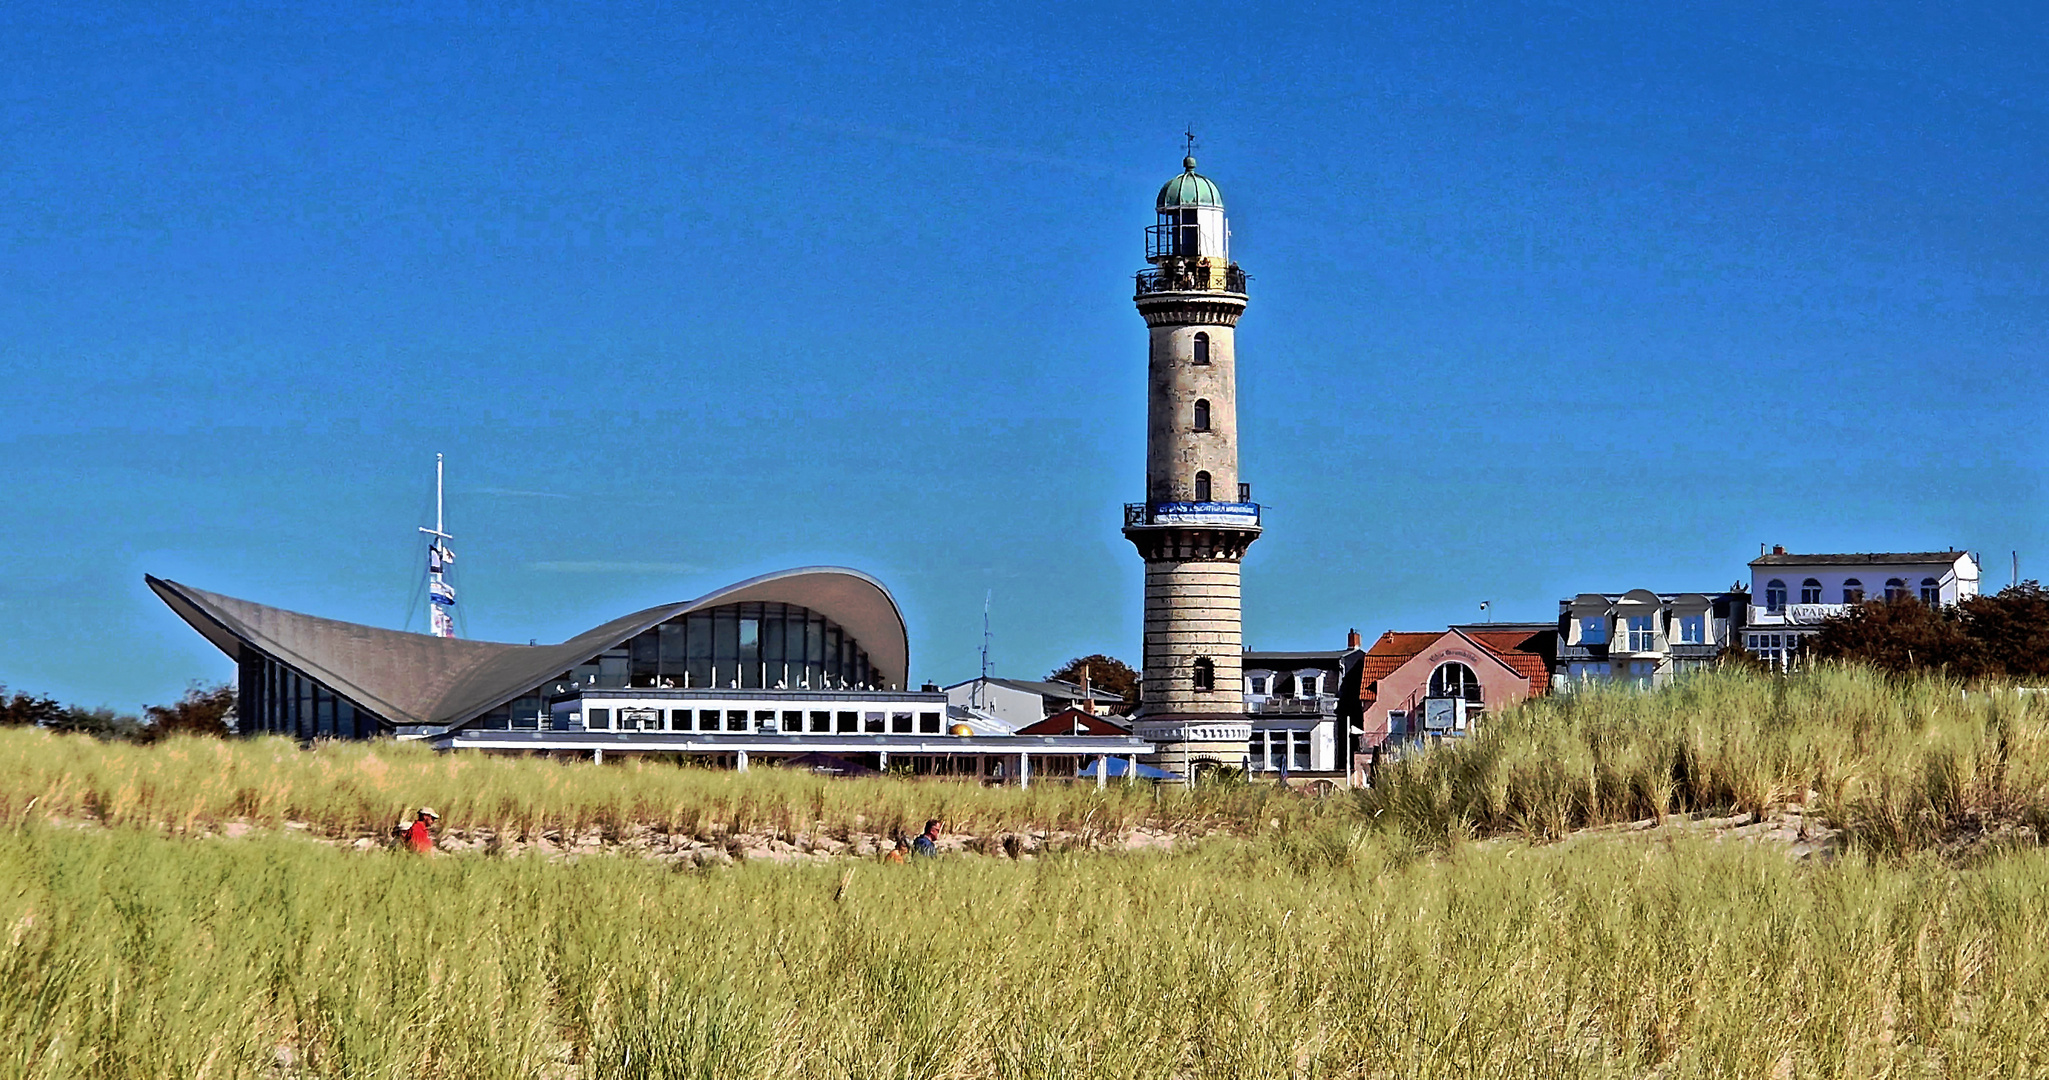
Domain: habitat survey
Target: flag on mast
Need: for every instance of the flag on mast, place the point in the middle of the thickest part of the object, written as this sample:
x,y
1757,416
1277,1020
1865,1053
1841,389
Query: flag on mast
x,y
440,594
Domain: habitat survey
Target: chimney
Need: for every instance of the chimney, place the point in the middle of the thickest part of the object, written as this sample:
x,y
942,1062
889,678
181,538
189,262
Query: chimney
x,y
1778,549
1088,700
1352,639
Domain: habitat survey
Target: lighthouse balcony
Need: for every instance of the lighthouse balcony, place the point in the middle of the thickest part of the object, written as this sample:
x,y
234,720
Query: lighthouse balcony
x,y
1191,278
1230,515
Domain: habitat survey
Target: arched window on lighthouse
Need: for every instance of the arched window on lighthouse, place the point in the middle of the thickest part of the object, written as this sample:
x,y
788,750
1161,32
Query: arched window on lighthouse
x,y
1202,487
1202,414
1205,674
1202,350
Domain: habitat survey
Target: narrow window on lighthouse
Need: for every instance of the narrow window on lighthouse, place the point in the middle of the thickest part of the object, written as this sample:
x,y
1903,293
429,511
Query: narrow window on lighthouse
x,y
1205,674
1202,415
1202,487
1202,350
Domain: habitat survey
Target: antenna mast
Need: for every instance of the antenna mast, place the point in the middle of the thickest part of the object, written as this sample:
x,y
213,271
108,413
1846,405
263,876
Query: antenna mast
x,y
982,684
440,594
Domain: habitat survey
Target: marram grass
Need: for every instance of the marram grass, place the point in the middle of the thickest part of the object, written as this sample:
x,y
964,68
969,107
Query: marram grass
x,y
1358,936
1901,765
1327,953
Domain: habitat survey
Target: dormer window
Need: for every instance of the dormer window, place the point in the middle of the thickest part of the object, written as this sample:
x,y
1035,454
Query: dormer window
x,y
1642,637
1202,350
1259,684
1775,596
1308,686
1593,630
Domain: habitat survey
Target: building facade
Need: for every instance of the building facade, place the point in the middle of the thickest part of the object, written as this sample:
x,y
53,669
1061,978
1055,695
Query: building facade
x,y
1021,702
1791,594
1303,708
1417,687
1643,638
1198,518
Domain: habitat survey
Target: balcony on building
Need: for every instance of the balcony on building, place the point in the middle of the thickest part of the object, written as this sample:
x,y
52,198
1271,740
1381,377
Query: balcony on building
x,y
1198,277
1167,515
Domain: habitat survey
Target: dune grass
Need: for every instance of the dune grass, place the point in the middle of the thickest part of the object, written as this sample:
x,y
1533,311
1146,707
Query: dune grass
x,y
187,785
1357,936
1322,952
1900,764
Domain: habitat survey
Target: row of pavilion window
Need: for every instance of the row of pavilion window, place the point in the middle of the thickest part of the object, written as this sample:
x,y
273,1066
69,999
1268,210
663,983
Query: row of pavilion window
x,y
784,721
1853,592
744,646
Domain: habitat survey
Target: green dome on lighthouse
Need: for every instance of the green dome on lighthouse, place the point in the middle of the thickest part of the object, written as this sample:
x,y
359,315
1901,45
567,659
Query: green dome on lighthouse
x,y
1191,188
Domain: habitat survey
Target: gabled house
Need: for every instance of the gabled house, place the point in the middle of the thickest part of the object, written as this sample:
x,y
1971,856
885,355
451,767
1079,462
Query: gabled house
x,y
1418,686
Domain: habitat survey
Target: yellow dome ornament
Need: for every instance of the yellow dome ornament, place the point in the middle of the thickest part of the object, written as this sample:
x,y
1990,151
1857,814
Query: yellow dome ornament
x,y
961,729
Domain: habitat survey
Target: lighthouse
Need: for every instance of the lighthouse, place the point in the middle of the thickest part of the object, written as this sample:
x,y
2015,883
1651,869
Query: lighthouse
x,y
1198,517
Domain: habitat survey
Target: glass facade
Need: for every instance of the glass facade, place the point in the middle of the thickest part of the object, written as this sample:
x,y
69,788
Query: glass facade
x,y
275,699
751,646
745,646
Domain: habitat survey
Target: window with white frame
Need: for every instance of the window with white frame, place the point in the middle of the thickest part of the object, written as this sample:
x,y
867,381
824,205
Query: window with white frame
x,y
1593,630
1853,591
1642,635
1259,684
1895,589
1770,648
1641,672
1309,685
1300,762
1455,680
1810,591
1693,629
1931,592
1775,596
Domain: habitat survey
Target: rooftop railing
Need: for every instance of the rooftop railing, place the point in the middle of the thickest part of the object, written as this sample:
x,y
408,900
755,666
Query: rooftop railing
x,y
1243,515
1228,279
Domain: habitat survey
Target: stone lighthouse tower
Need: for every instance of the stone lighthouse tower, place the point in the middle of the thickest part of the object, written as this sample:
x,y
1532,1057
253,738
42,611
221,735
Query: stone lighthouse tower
x,y
1197,518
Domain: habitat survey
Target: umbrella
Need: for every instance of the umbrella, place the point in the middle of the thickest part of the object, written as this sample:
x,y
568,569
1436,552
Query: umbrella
x,y
1118,767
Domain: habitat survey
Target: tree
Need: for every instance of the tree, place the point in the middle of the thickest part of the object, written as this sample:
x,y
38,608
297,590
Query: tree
x,y
1106,673
1900,636
2011,629
204,711
22,710
100,723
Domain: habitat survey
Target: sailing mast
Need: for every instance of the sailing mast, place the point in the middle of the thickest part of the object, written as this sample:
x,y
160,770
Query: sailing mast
x,y
440,594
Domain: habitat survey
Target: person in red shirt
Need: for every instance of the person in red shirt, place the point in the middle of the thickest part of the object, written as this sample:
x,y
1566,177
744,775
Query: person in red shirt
x,y
421,837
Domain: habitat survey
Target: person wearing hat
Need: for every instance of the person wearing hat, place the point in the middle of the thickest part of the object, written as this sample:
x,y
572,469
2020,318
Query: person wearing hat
x,y
421,837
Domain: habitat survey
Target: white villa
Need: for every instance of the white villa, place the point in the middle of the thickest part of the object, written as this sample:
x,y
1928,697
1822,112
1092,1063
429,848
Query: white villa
x,y
1790,594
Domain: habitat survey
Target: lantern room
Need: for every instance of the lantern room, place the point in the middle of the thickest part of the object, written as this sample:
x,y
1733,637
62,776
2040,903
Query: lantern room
x,y
1191,220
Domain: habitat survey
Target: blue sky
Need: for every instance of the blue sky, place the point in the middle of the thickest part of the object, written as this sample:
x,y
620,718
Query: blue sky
x,y
1546,298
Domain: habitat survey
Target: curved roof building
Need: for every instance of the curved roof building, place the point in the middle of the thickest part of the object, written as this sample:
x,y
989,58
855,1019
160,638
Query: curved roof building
x,y
805,667
815,628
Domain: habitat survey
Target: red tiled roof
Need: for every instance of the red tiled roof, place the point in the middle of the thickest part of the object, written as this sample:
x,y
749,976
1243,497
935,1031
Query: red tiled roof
x,y
1510,646
1073,722
1398,647
1395,648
